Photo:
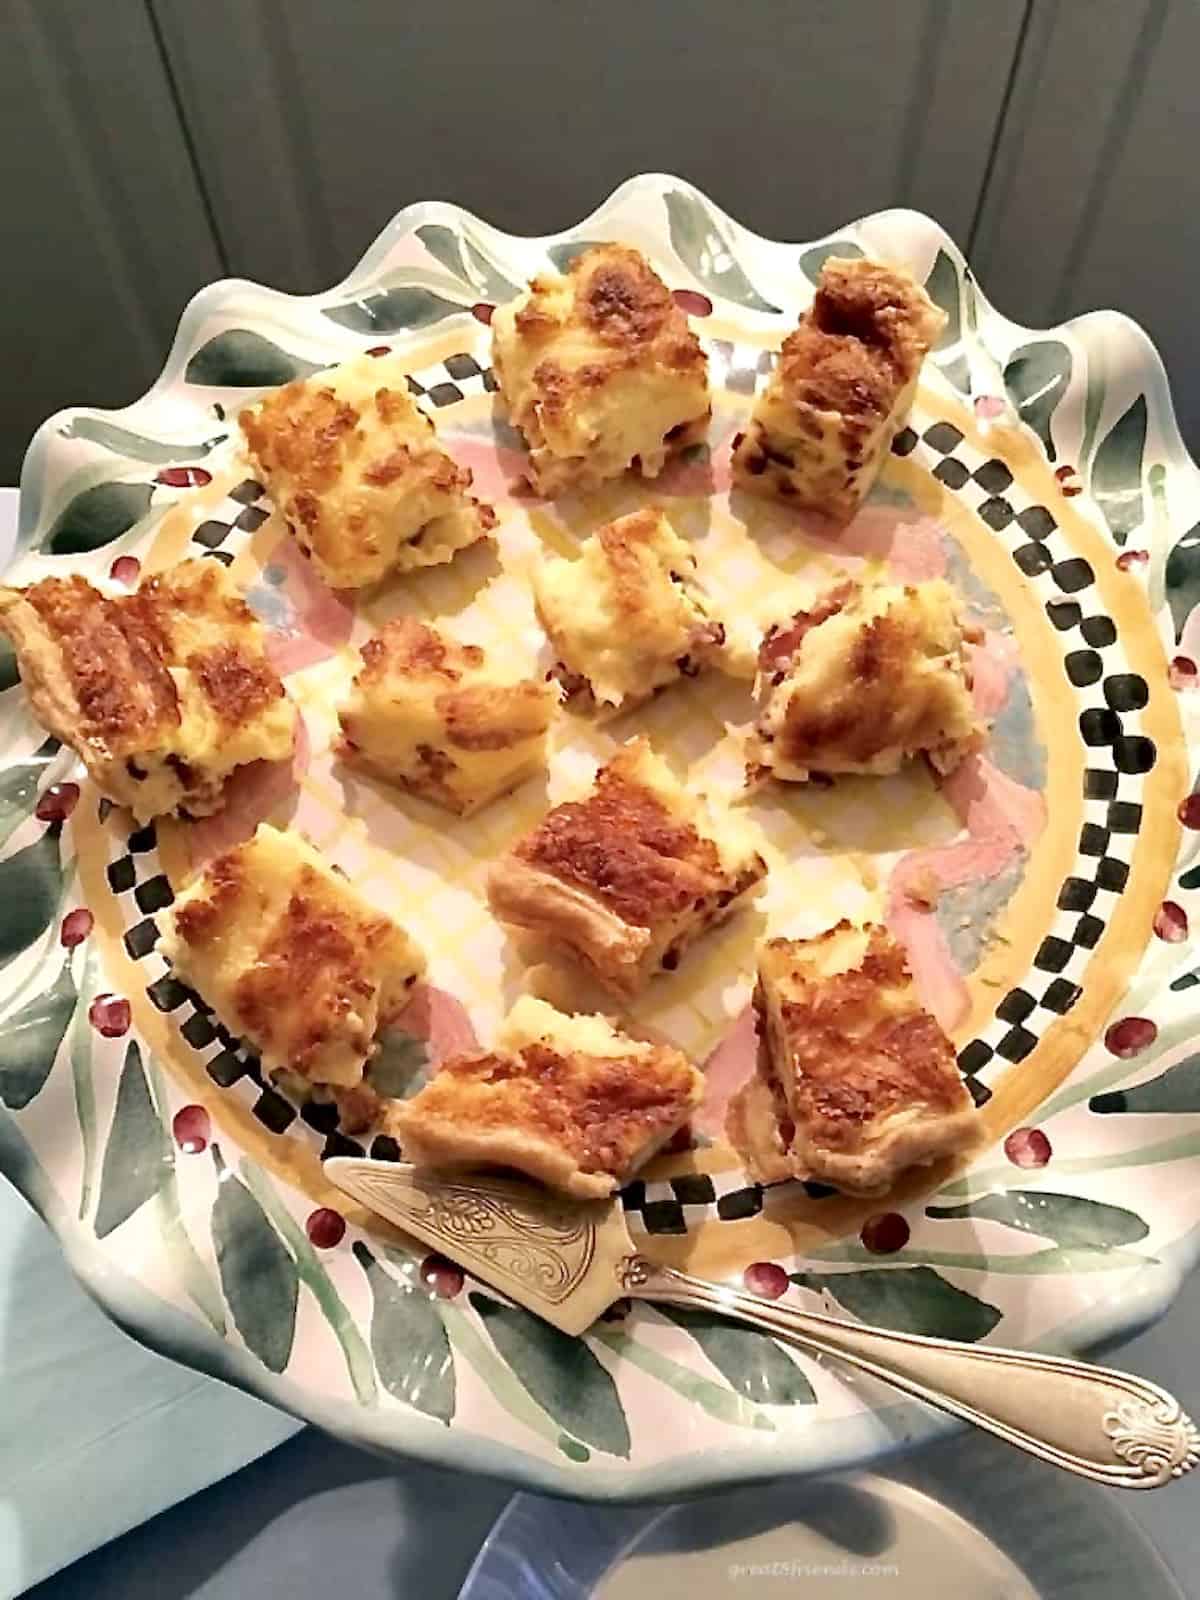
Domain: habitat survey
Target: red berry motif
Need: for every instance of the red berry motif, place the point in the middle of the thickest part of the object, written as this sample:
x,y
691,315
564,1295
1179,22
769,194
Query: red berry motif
x,y
766,1278
693,302
110,1015
185,477
76,926
482,311
1130,1036
442,1276
325,1228
1171,923
192,1130
57,803
1183,673
1064,474
379,350
1189,811
885,1233
1027,1147
125,569
1128,560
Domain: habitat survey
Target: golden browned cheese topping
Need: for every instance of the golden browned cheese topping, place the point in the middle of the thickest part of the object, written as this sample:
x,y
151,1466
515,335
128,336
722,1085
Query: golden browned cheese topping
x,y
872,674
117,651
869,302
857,1049
114,653
408,646
301,429
866,716
601,1110
492,716
859,343
835,372
622,845
318,951
237,686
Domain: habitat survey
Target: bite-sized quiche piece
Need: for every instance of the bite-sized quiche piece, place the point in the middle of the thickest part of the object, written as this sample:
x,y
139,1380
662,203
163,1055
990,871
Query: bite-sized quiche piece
x,y
627,616
873,674
600,371
863,1080
354,467
626,878
429,714
821,428
568,1100
162,692
290,957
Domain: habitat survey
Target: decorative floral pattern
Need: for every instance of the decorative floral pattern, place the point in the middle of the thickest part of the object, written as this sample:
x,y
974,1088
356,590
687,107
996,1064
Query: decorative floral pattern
x,y
231,1266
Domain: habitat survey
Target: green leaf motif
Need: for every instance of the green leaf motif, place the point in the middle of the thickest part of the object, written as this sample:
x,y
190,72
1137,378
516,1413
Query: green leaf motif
x,y
314,1276
1176,1089
1182,579
29,1040
239,358
703,249
908,1299
1069,1220
138,1154
749,1361
97,517
815,258
136,446
943,288
563,255
258,1274
1117,471
561,1374
18,794
30,889
392,310
1036,377
409,1342
459,255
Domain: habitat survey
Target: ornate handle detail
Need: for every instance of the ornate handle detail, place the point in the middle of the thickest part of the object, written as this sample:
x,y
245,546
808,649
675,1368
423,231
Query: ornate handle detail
x,y
1095,1421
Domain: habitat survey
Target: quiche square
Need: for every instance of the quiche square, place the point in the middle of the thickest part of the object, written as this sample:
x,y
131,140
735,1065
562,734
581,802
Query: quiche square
x,y
290,957
162,692
431,715
625,879
627,617
872,675
821,429
568,1100
863,1082
354,467
600,371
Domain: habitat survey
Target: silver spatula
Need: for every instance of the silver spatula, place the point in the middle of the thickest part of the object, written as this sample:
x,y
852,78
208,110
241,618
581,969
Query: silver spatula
x,y
567,1261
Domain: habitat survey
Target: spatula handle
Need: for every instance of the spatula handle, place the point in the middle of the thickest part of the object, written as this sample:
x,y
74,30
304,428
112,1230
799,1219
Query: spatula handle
x,y
1094,1421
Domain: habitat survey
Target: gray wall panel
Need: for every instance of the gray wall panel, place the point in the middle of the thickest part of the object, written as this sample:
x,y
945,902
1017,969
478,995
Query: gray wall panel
x,y
104,233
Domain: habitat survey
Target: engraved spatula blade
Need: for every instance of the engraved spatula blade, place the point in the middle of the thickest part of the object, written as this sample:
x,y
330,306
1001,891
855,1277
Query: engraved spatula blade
x,y
561,1258
568,1260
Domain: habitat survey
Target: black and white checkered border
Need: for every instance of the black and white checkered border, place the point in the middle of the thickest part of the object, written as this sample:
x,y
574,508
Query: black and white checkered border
x,y
677,1205
225,534
141,889
447,382
1110,725
1119,754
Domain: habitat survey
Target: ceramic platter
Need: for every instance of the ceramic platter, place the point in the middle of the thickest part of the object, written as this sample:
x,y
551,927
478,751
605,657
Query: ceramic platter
x,y
1043,473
